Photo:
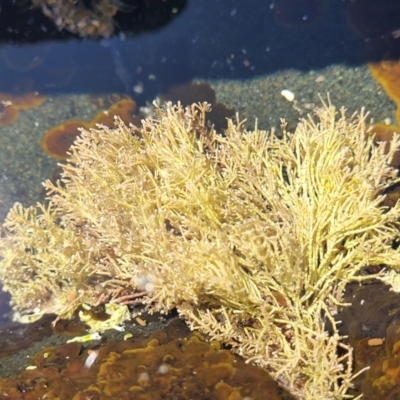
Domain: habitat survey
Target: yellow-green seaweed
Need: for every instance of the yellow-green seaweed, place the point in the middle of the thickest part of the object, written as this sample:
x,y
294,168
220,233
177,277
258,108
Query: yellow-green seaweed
x,y
252,237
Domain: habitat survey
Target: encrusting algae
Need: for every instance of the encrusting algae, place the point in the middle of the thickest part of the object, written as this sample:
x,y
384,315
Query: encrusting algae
x,y
251,237
170,364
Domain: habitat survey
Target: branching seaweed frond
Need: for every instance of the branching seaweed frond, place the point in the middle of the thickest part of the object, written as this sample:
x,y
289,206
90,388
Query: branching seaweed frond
x,y
252,237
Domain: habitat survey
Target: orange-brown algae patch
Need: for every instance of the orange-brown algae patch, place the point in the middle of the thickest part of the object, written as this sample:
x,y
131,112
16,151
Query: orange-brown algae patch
x,y
191,92
8,114
160,367
27,101
49,355
11,104
385,133
91,394
124,108
382,381
392,196
387,73
365,354
75,368
74,326
220,372
57,141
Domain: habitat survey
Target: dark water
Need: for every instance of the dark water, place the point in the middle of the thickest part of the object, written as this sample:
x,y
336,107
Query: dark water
x,y
206,39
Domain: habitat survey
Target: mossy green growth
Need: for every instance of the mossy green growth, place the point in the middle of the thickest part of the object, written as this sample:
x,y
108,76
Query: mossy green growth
x,y
252,237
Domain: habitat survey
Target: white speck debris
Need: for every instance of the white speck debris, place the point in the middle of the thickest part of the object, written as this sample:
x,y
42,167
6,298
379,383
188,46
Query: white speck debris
x,y
163,369
287,94
91,359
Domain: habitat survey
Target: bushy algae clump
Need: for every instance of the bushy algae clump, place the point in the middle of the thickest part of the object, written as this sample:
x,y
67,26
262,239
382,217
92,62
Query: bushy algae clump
x,y
251,237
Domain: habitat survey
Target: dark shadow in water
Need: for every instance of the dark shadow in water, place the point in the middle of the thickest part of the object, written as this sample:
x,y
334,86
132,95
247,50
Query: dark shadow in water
x,y
207,39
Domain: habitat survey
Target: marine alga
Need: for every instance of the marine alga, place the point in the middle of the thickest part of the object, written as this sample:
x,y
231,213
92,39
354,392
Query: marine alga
x,y
251,236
